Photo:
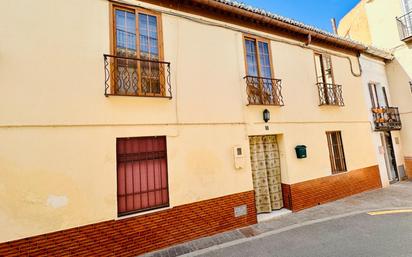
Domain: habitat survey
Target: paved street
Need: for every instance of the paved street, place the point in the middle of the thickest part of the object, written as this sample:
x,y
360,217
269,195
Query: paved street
x,y
340,228
357,235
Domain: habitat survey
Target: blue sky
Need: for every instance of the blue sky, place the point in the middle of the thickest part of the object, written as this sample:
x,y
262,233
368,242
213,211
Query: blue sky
x,y
312,12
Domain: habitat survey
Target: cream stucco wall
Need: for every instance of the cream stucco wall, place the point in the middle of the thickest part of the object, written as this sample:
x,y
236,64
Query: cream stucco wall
x,y
303,122
373,22
355,24
382,22
58,131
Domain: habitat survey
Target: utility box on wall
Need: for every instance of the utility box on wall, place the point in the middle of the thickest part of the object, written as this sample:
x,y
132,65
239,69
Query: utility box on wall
x,y
239,157
301,151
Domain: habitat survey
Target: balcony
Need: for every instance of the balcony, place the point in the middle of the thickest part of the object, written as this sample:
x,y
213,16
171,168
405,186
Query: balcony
x,y
386,119
126,76
330,94
405,27
264,91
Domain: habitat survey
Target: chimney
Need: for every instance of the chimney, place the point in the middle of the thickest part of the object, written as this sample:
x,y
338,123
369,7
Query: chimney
x,y
334,27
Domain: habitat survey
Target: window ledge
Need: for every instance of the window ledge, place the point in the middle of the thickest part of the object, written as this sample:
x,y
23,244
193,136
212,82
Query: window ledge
x,y
279,105
133,215
333,105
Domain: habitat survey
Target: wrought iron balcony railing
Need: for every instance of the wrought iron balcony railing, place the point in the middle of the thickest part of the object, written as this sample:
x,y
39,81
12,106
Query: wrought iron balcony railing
x,y
386,118
125,76
330,94
405,26
264,91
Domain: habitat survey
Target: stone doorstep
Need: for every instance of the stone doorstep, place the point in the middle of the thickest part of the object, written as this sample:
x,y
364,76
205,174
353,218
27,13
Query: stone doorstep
x,y
273,215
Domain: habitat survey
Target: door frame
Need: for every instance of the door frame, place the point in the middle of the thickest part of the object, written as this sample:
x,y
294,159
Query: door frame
x,y
388,163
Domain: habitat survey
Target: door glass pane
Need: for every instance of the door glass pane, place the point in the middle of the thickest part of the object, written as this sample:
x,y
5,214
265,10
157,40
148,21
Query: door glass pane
x,y
266,73
372,92
126,69
327,65
125,33
153,40
148,36
265,69
143,35
381,95
319,68
149,49
251,58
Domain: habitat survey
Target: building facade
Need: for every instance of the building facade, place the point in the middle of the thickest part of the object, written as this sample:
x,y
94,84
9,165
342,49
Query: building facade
x,y
388,25
131,126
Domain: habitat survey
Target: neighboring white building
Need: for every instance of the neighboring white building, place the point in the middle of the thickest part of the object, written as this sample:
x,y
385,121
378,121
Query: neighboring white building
x,y
384,117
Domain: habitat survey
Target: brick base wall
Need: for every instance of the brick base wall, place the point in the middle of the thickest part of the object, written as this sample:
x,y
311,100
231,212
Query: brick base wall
x,y
141,234
408,167
318,191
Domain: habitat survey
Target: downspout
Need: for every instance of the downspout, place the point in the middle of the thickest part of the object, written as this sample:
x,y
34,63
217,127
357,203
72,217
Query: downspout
x,y
309,40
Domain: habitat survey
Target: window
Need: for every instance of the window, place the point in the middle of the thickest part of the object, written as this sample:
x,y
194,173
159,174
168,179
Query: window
x,y
142,182
407,5
336,153
324,72
258,62
329,92
262,87
137,48
378,95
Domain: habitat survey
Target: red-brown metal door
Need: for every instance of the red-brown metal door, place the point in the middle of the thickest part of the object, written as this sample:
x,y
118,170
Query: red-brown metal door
x,y
141,174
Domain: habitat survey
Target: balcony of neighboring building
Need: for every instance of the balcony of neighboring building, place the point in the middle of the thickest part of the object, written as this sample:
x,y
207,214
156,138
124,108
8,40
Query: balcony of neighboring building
x,y
386,118
405,27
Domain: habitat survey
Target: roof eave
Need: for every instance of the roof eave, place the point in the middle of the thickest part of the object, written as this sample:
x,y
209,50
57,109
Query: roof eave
x,y
265,19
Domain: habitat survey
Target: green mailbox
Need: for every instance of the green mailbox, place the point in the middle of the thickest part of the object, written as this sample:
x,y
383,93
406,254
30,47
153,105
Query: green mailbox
x,y
301,151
